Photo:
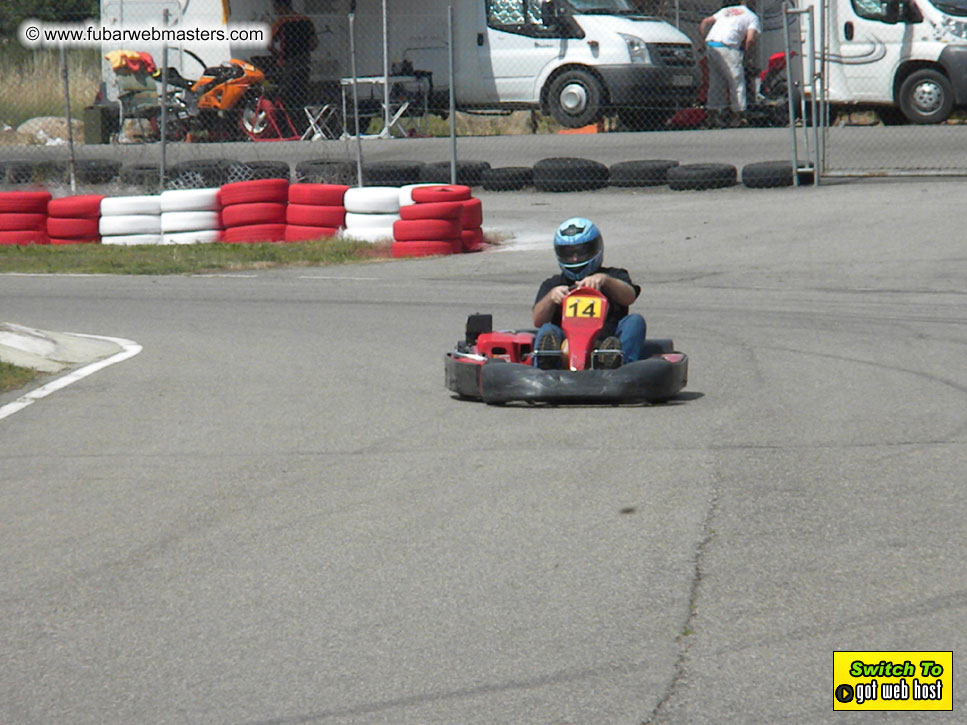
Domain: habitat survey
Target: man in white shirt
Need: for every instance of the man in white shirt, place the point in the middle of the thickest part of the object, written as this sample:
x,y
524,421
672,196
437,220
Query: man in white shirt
x,y
729,34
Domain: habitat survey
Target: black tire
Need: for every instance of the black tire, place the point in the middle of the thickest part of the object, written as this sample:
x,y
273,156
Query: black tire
x,y
392,173
569,174
575,98
768,174
199,174
249,170
926,97
469,173
141,175
507,178
19,172
97,171
325,172
640,173
701,176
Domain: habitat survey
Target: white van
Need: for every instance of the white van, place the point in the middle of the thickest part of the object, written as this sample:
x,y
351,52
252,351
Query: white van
x,y
907,56
573,59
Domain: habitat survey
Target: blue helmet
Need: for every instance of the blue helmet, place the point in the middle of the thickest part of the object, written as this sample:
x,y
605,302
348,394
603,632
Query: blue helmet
x,y
579,247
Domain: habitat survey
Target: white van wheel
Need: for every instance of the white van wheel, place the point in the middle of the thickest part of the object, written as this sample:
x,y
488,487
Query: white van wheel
x,y
926,96
574,98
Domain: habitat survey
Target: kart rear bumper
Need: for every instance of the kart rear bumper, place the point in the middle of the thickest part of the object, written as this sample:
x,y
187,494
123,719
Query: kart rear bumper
x,y
655,379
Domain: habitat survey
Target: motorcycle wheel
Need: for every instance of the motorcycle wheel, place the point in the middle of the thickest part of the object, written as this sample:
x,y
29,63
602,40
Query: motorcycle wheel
x,y
253,120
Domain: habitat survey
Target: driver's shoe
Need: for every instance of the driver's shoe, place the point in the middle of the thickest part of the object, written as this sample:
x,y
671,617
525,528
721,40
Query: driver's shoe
x,y
608,354
548,344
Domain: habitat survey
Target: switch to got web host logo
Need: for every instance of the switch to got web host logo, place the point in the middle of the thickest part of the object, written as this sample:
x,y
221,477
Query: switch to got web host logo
x,y
892,680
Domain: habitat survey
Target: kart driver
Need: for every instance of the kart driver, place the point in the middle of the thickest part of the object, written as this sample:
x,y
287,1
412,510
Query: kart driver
x,y
579,247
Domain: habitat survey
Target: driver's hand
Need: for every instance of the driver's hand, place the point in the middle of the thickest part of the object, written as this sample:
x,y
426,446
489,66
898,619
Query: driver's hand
x,y
559,293
594,281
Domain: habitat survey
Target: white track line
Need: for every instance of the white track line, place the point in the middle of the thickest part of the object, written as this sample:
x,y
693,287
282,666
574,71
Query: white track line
x,y
128,350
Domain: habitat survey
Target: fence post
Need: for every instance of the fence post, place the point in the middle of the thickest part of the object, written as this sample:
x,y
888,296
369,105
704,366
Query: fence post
x,y
67,105
453,103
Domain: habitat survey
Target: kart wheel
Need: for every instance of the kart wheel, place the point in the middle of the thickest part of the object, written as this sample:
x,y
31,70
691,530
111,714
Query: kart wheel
x,y
127,224
254,234
127,205
569,174
270,191
444,192
767,174
701,176
14,222
318,194
86,206
640,173
241,215
507,178
313,215
26,202
66,228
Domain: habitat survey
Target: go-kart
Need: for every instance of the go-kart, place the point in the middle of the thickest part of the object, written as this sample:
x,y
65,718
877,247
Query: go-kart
x,y
499,366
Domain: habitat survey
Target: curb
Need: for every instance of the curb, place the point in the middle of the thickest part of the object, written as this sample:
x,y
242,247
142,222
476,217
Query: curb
x,y
50,352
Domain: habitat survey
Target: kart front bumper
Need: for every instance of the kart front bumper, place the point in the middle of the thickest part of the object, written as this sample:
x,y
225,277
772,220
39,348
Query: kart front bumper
x,y
655,379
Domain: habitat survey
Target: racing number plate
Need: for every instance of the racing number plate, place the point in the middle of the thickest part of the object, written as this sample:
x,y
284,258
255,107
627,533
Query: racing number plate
x,y
586,307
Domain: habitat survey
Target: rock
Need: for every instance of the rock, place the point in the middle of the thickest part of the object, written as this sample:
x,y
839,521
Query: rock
x,y
47,129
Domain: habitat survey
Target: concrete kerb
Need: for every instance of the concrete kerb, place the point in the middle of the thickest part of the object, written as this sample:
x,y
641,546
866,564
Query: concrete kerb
x,y
50,352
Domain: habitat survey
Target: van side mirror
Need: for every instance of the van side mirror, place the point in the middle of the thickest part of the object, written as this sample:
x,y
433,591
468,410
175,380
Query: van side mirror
x,y
891,11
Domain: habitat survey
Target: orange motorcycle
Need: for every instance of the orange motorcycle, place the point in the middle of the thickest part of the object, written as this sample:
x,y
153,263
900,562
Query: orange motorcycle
x,y
233,101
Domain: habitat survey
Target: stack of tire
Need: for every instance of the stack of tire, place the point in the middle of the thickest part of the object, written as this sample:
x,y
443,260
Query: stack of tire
x,y
130,220
74,219
315,211
428,226
371,212
190,216
254,212
23,217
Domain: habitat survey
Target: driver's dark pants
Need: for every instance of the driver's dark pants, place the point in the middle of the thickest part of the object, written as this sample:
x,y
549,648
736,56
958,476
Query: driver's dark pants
x,y
630,331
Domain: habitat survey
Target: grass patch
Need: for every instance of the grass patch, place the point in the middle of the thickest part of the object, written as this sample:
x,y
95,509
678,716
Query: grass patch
x,y
184,259
33,86
13,377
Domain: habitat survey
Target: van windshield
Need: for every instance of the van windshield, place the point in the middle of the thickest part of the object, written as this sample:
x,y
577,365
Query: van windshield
x,y
603,7
951,7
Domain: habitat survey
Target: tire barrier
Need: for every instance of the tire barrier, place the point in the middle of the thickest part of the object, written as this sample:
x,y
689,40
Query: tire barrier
x,y
23,217
569,174
392,173
640,173
768,174
371,212
130,220
469,173
324,171
426,219
508,178
701,176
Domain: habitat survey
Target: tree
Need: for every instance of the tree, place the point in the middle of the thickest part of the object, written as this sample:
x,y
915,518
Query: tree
x,y
62,11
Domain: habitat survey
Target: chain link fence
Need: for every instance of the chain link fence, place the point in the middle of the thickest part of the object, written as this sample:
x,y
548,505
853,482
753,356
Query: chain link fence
x,y
335,87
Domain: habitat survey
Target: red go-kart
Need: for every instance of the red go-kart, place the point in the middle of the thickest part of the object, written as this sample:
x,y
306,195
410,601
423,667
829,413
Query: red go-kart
x,y
498,367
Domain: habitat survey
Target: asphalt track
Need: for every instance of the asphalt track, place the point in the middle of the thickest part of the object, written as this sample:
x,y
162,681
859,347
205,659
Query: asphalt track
x,y
276,513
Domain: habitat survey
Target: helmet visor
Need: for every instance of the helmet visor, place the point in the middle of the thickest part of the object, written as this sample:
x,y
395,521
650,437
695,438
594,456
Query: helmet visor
x,y
578,253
